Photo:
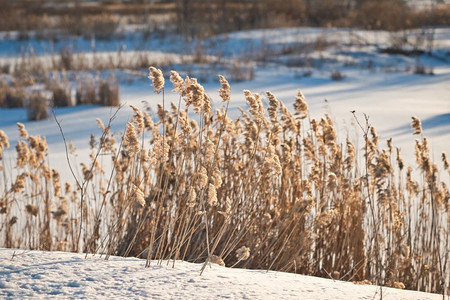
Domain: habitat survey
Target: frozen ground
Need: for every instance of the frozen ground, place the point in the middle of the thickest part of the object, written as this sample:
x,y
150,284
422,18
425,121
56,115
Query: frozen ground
x,y
42,275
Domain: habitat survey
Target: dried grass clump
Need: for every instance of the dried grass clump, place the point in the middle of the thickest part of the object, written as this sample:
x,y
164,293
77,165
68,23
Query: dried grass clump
x,y
337,75
86,92
416,125
98,91
241,71
61,94
266,190
37,107
108,92
11,95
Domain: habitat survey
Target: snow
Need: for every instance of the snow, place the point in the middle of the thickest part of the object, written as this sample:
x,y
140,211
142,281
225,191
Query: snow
x,y
42,275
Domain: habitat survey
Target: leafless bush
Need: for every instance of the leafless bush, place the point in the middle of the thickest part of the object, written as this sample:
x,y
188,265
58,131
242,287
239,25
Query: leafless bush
x,y
5,68
108,92
37,107
66,59
421,69
11,95
102,92
337,75
62,94
86,92
241,71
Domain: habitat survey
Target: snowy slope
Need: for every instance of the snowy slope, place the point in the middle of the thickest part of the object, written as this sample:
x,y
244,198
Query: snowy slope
x,y
39,275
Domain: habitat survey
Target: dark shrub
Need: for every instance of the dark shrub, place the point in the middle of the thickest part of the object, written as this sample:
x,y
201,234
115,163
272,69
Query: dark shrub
x,y
37,107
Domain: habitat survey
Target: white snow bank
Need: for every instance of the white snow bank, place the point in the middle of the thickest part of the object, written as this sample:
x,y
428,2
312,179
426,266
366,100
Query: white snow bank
x,y
39,275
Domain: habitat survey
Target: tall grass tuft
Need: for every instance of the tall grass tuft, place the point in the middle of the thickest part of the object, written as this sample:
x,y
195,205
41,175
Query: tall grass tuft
x,y
37,107
271,189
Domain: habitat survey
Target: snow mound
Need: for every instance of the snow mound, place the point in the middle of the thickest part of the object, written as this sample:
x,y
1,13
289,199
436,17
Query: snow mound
x,y
39,275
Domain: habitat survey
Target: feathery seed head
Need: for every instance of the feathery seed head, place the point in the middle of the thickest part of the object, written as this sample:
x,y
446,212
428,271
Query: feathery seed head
x,y
19,185
32,210
46,172
137,196
72,148
273,107
212,195
161,149
23,154
224,91
289,122
192,197
197,97
374,134
256,107
416,125
332,178
217,178
300,105
243,253
22,130
157,77
399,160
87,173
390,146
178,83
100,124
4,141
148,122
214,259
138,118
209,151
445,161
203,177
131,139
56,182
67,187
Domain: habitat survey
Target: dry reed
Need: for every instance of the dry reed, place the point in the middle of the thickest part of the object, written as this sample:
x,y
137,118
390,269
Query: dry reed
x,y
269,190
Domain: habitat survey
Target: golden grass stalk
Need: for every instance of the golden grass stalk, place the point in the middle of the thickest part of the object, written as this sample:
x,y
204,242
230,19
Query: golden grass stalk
x,y
157,77
295,192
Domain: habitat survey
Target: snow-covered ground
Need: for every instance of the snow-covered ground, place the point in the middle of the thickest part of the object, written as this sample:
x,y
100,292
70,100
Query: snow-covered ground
x,y
388,92
43,275
389,99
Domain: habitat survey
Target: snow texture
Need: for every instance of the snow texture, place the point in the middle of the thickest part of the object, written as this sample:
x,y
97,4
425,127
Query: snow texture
x,y
42,275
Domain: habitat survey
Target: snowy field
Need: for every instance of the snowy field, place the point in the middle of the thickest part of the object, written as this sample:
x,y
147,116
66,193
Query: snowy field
x,y
43,275
380,85
388,92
